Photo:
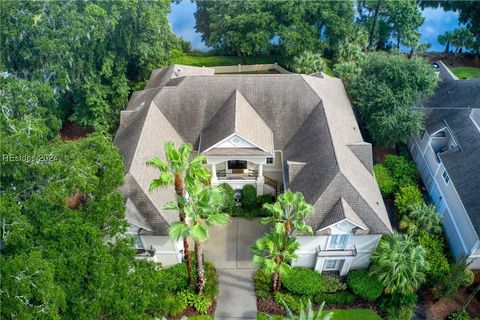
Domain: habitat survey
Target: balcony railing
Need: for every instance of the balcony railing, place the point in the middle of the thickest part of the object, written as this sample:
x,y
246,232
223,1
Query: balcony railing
x,y
246,175
345,252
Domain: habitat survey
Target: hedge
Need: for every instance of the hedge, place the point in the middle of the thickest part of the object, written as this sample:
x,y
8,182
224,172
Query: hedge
x,y
364,285
303,281
249,197
386,182
406,197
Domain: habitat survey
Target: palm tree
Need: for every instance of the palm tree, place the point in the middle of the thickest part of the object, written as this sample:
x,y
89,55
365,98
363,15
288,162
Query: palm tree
x,y
274,252
445,40
177,170
422,217
399,264
460,38
290,211
202,208
309,62
308,313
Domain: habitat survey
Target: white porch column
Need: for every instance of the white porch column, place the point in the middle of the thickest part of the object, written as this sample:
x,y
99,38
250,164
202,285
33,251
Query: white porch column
x,y
260,180
214,174
346,267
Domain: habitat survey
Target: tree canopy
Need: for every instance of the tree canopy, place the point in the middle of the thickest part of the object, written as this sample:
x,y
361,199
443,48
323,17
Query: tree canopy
x,y
251,27
87,50
385,91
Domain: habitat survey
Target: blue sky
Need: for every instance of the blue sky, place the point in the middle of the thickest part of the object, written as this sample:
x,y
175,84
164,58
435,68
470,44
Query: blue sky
x,y
436,22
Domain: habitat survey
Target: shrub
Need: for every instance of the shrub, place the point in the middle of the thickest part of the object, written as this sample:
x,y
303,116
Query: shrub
x,y
174,278
266,198
200,303
404,171
399,306
458,275
303,281
249,197
238,212
292,302
309,62
229,204
211,286
343,298
262,280
406,197
364,285
332,284
435,256
386,182
170,306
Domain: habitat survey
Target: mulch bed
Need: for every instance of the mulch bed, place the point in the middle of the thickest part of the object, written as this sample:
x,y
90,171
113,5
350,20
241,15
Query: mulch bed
x,y
190,311
73,131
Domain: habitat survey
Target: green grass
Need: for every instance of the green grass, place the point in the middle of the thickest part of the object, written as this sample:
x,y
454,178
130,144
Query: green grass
x,y
466,72
213,61
201,318
350,314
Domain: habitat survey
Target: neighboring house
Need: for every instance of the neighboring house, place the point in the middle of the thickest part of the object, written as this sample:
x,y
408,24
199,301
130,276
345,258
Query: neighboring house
x,y
447,154
271,131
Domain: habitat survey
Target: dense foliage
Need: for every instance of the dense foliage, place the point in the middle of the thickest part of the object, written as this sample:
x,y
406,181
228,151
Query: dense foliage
x,y
403,170
385,91
248,27
88,51
400,253
308,62
249,197
435,255
342,298
229,198
405,198
364,285
303,281
385,181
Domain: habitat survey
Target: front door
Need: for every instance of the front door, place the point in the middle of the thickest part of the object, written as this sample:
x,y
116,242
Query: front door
x,y
331,265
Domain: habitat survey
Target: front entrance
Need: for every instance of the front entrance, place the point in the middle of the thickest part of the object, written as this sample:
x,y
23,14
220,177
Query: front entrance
x,y
331,265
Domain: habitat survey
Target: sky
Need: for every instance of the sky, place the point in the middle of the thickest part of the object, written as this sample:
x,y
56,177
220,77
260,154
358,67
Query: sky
x,y
436,22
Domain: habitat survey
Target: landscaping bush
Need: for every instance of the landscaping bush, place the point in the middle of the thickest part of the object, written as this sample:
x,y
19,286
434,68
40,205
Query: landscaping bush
x,y
170,306
200,303
332,284
174,278
404,171
399,306
435,256
211,286
364,285
386,182
266,198
262,280
341,298
292,302
406,197
229,204
303,281
249,197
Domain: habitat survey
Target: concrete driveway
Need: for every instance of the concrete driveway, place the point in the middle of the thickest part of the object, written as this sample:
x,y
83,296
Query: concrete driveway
x,y
229,250
229,247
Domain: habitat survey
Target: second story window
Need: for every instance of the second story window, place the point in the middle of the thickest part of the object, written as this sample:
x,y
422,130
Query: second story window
x,y
445,176
269,160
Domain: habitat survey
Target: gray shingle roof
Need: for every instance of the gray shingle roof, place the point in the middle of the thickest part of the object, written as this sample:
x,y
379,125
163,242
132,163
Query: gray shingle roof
x,y
311,120
461,163
341,211
237,116
456,105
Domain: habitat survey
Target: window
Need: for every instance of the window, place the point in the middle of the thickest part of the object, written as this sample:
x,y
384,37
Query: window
x,y
445,176
237,164
270,160
337,242
330,265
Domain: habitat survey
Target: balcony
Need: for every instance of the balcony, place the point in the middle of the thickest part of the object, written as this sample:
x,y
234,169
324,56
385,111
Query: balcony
x,y
241,174
350,251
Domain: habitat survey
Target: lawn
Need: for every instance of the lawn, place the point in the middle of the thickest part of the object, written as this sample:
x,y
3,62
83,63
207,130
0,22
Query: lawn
x,y
466,72
350,314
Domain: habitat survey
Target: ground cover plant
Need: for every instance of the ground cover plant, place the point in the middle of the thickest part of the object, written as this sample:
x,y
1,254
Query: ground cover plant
x,y
466,72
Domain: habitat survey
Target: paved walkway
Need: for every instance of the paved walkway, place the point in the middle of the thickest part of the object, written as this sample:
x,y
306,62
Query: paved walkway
x,y
229,250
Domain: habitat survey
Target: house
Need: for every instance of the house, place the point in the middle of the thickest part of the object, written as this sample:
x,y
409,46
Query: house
x,y
447,154
272,131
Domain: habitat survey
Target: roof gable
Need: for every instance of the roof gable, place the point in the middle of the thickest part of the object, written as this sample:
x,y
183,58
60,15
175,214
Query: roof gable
x,y
237,117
